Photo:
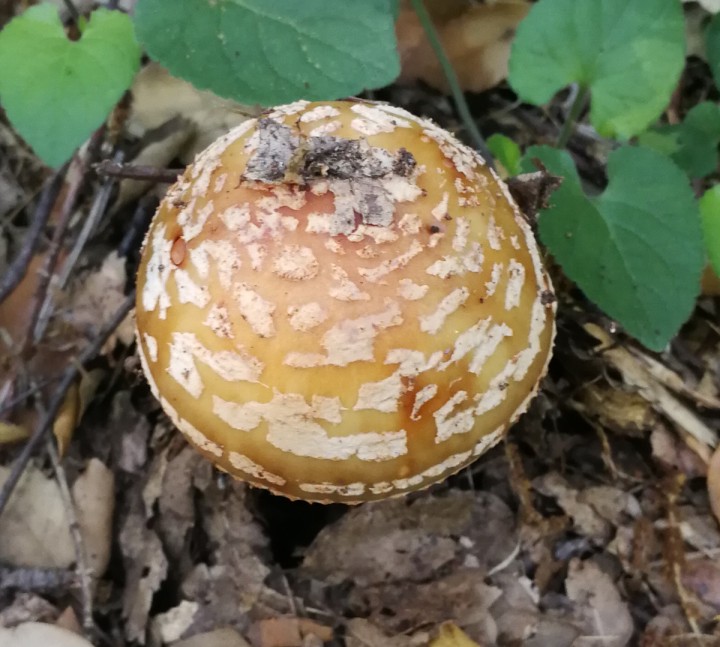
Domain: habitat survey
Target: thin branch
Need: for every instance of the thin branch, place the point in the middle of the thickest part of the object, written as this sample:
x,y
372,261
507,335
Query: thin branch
x,y
452,79
68,377
81,564
110,168
18,268
53,253
97,210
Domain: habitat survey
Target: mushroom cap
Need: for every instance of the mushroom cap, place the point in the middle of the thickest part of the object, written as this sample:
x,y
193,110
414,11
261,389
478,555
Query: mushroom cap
x,y
340,302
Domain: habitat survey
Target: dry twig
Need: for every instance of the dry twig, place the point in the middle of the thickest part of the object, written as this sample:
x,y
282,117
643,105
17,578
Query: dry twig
x,y
110,168
18,268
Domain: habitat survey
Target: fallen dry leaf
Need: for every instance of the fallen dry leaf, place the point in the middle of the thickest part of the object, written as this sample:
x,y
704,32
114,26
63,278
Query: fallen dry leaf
x,y
586,519
596,597
702,577
672,453
11,433
159,97
27,607
713,483
362,633
462,596
219,638
450,635
171,625
412,540
94,496
476,37
96,296
37,634
35,512
145,570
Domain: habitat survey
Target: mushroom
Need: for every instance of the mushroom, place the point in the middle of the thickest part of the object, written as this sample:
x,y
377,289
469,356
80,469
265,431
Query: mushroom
x,y
340,302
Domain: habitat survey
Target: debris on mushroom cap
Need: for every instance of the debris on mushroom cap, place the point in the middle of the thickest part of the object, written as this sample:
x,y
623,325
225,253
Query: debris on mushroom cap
x,y
340,302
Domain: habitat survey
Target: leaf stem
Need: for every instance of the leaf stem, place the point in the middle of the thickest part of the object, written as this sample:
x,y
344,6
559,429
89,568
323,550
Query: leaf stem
x,y
73,11
578,105
452,79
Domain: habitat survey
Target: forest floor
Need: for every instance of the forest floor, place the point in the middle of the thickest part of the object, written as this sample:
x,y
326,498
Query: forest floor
x,y
590,525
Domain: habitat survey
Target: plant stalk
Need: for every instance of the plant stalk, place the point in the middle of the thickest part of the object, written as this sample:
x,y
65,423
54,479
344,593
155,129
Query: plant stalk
x,y
452,79
578,105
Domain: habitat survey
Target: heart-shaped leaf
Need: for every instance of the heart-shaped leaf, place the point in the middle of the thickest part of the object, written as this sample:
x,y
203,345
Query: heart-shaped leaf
x,y
506,152
57,91
629,53
637,249
692,144
712,47
273,51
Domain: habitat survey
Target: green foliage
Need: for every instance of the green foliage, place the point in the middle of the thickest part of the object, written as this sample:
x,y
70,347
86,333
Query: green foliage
x,y
273,51
636,250
692,144
710,213
629,54
57,91
506,152
712,47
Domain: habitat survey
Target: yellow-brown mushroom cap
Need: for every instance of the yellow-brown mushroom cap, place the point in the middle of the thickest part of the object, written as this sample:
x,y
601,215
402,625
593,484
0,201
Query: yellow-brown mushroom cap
x,y
340,302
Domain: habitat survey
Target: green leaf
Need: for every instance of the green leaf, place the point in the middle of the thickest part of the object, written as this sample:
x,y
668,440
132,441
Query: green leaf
x,y
506,152
637,249
710,213
629,53
55,91
693,144
273,51
712,47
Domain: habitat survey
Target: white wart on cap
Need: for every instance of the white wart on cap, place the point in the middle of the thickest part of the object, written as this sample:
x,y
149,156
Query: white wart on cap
x,y
340,302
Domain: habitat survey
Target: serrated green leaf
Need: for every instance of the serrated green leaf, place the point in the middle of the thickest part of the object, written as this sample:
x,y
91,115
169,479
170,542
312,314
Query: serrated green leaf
x,y
55,91
637,249
506,152
629,53
692,144
273,51
712,47
710,213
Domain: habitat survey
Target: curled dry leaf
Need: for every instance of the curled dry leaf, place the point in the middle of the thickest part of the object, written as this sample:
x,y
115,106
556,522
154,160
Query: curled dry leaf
x,y
476,37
